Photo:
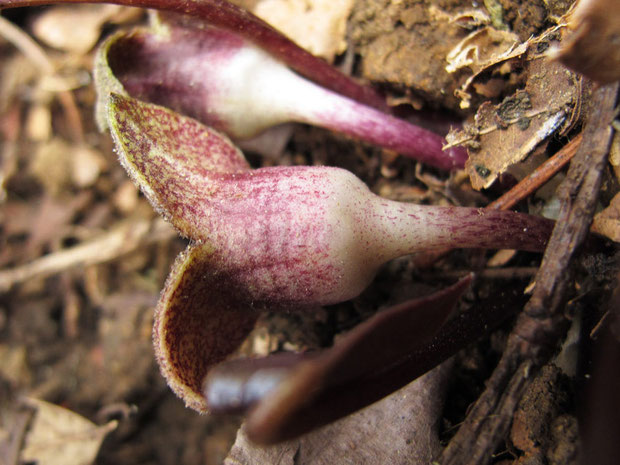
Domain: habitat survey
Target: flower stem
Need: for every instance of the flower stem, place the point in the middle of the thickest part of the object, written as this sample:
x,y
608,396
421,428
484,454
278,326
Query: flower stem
x,y
408,228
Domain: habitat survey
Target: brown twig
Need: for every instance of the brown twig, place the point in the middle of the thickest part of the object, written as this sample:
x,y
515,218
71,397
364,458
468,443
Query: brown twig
x,y
542,323
12,444
538,177
120,240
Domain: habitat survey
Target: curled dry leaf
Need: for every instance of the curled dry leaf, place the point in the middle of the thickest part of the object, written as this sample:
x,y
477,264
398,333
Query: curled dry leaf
x,y
505,134
61,437
593,47
480,51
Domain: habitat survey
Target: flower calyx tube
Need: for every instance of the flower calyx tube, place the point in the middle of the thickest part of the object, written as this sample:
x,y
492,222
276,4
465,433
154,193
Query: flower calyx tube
x,y
219,78
271,238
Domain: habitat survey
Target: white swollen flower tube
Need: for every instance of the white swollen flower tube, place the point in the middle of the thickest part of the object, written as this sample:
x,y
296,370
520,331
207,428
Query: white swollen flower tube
x,y
277,238
225,82
290,235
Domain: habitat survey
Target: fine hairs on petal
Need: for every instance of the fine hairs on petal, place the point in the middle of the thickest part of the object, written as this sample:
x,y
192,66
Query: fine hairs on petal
x,y
278,238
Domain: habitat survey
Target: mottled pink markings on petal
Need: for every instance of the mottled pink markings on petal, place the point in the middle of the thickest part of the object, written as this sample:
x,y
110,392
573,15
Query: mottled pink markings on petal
x,y
295,235
273,237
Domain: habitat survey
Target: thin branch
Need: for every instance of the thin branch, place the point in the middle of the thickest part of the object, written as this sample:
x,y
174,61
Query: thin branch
x,y
120,240
538,177
542,323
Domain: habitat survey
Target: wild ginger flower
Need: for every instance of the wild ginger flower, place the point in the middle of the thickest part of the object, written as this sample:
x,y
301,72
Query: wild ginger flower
x,y
219,78
280,237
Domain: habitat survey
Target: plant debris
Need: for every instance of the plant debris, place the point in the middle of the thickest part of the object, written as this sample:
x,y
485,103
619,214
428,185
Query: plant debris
x,y
506,133
58,436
